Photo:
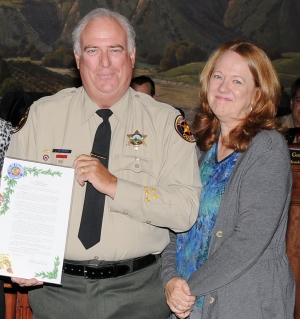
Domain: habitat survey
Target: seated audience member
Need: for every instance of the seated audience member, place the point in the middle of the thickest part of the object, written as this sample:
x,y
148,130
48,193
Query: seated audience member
x,y
232,263
143,84
293,120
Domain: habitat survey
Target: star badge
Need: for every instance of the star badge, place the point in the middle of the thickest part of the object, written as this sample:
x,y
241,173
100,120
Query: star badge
x,y
136,139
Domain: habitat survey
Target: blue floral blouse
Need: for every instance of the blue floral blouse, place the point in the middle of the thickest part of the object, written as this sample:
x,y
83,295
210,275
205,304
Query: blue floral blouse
x,y
192,246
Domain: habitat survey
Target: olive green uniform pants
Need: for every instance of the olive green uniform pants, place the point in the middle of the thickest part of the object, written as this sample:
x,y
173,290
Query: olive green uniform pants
x,y
137,295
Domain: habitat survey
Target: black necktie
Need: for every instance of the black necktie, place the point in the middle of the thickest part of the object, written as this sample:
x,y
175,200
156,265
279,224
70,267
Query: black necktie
x,y
92,213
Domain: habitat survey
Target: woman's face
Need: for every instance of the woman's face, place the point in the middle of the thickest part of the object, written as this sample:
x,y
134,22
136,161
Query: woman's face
x,y
231,88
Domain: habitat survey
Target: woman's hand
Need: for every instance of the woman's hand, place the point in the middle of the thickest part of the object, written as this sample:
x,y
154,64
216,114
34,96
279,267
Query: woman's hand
x,y
179,297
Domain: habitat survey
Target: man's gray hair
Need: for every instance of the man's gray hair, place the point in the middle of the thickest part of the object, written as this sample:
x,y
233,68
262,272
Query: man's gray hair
x,y
103,13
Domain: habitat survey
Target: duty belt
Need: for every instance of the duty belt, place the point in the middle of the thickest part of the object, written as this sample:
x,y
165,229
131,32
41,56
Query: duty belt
x,y
95,269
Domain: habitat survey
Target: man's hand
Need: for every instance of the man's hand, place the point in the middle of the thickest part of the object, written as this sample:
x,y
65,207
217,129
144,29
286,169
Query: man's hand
x,y
26,282
90,169
179,297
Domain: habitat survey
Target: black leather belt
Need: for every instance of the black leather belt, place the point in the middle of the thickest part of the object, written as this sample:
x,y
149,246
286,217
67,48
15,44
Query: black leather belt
x,y
95,269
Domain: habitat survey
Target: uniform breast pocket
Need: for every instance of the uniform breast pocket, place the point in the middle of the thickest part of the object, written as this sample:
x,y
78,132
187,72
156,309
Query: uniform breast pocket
x,y
58,156
130,167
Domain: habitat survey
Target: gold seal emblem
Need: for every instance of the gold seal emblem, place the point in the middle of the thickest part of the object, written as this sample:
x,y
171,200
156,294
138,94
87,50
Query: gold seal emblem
x,y
6,262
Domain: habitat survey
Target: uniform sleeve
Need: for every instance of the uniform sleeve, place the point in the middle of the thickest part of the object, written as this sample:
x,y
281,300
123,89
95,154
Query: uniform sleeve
x,y
263,201
174,201
23,142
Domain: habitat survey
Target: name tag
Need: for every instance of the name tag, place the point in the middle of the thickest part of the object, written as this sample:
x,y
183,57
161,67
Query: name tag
x,y
295,156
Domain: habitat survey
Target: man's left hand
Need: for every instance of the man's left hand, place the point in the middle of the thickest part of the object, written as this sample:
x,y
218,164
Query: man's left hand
x,y
90,169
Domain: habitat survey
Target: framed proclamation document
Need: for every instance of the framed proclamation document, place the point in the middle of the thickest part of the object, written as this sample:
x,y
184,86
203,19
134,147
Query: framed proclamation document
x,y
34,219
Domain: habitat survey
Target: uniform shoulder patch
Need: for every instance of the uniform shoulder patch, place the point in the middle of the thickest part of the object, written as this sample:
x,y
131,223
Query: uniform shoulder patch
x,y
183,129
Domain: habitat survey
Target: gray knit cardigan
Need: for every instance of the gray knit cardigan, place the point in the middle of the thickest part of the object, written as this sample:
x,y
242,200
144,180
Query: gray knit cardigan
x,y
247,274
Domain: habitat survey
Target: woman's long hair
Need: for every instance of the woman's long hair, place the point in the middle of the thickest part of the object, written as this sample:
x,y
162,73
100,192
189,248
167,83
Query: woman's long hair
x,y
262,116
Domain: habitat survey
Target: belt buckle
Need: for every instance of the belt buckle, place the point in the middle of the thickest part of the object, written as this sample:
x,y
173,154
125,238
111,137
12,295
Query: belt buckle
x,y
91,264
96,269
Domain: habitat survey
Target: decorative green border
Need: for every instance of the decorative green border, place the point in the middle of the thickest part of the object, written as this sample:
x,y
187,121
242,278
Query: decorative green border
x,y
50,274
11,183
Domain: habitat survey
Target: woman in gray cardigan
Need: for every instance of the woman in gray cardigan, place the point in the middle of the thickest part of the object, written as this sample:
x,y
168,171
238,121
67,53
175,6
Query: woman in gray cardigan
x,y
232,263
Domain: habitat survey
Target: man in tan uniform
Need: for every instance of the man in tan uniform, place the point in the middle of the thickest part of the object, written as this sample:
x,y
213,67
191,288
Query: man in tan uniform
x,y
149,186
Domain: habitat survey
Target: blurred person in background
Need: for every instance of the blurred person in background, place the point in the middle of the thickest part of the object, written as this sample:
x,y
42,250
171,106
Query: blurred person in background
x,y
292,120
143,84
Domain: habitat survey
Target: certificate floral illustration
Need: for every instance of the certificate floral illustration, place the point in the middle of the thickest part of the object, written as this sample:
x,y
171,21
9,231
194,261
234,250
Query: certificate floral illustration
x,y
16,171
